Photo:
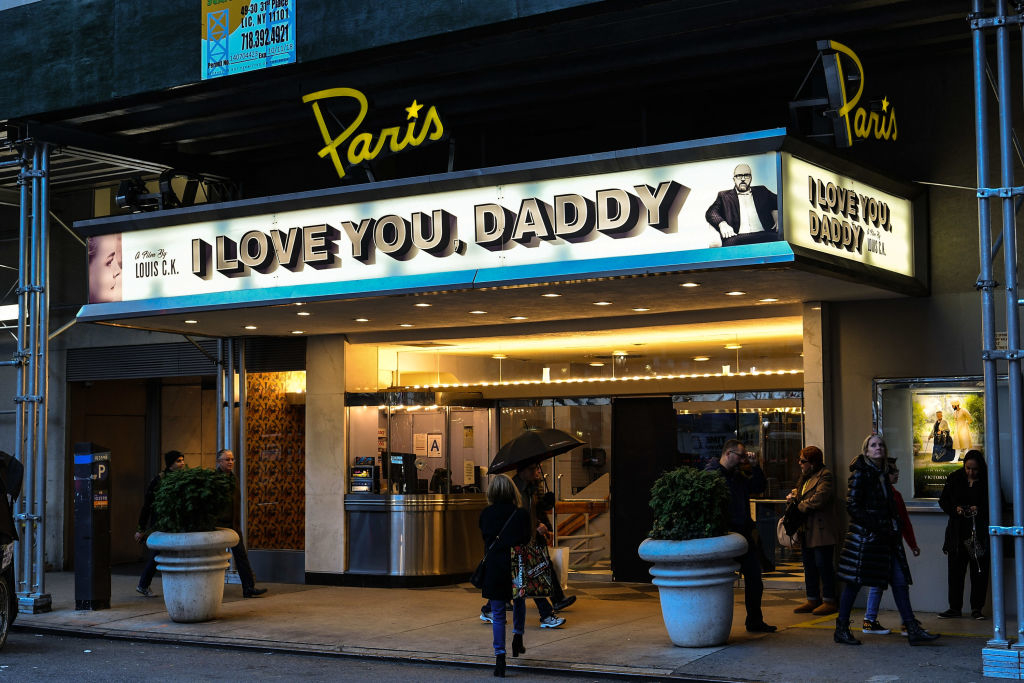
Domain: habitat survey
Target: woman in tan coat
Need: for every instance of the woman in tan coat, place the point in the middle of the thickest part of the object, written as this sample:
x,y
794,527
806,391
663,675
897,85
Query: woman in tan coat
x,y
815,497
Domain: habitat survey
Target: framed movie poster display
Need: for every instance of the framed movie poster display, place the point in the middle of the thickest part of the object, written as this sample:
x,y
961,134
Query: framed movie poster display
x,y
928,425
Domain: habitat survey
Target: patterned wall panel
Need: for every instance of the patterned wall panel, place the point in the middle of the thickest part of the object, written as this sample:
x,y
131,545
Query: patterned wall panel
x,y
275,438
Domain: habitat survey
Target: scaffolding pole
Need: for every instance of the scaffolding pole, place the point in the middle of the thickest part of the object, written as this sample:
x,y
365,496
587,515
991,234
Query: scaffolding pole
x,y
32,382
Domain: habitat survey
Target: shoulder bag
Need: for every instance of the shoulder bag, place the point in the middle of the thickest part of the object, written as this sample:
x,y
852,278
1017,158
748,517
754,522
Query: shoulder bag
x,y
477,578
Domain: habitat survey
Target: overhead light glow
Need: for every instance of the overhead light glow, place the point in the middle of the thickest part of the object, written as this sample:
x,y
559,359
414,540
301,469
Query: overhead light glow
x,y
250,327
405,324
641,310
362,320
423,305
701,359
690,284
602,303
735,292
191,322
551,295
477,312
298,332
733,347
620,354
518,317
597,365
304,313
499,356
769,300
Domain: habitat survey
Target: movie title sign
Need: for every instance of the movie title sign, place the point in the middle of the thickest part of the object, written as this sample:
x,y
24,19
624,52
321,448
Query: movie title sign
x,y
841,216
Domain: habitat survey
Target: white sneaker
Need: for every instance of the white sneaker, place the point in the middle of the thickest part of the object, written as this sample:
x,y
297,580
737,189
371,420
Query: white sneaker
x,y
551,621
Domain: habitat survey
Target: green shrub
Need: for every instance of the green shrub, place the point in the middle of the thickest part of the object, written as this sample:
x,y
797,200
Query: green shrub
x,y
191,500
689,503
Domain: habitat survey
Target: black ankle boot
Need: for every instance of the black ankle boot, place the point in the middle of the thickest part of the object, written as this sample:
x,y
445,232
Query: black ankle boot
x,y
843,634
517,644
499,666
916,634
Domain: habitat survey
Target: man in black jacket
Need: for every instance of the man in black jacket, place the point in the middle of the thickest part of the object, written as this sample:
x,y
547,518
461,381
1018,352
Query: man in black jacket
x,y
231,518
734,453
173,460
745,214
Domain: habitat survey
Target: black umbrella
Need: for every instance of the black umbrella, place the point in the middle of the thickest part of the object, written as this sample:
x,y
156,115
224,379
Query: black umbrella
x,y
531,447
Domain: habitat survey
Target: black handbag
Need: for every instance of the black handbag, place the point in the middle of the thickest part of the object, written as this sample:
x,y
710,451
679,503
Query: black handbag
x,y
792,519
479,574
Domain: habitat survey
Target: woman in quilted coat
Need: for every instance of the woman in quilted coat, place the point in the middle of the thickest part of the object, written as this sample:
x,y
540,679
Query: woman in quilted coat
x,y
873,553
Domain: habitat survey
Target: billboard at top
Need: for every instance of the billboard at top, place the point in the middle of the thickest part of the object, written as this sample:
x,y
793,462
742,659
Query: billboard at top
x,y
637,220
246,35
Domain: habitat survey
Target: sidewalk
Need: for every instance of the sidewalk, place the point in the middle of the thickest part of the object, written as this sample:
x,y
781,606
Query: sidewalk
x,y
612,629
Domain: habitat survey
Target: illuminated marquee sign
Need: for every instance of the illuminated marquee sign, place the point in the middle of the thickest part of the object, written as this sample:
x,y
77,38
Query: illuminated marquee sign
x,y
837,215
366,146
865,124
560,223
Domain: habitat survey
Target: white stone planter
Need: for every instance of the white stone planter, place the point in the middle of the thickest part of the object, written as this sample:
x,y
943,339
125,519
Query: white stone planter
x,y
695,580
192,568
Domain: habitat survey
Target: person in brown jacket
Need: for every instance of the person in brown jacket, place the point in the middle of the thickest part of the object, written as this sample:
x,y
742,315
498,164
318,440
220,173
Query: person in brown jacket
x,y
814,496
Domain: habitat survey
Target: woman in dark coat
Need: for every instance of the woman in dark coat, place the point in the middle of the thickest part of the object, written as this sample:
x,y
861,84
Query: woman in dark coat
x,y
965,499
504,523
873,553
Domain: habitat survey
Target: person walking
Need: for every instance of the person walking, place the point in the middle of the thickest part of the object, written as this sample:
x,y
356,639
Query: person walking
x,y
964,499
527,481
504,523
814,496
871,625
173,460
231,517
741,486
873,554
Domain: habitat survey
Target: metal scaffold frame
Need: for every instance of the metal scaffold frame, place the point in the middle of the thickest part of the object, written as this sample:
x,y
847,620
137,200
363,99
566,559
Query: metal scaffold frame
x,y
31,361
1001,657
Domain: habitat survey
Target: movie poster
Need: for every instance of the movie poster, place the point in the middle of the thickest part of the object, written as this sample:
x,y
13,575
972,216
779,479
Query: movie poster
x,y
946,424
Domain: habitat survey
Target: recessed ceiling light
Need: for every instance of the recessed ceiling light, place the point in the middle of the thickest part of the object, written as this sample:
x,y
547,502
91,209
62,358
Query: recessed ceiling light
x,y
602,303
551,295
690,284
477,312
597,365
620,354
733,347
735,292
701,359
303,313
518,317
405,324
499,356
298,332
641,310
191,322
361,320
250,327
423,305
300,303
769,300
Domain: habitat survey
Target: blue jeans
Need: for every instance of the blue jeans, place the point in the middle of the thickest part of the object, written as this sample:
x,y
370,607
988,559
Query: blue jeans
x,y
819,575
498,623
900,594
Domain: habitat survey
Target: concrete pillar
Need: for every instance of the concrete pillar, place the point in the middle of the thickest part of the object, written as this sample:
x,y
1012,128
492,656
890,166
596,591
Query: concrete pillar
x,y
325,454
817,381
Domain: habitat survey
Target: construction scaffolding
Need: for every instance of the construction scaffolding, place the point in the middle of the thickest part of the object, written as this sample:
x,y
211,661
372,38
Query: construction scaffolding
x,y
1001,657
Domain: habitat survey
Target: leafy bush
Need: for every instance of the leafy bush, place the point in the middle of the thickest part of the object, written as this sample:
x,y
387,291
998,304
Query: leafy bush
x,y
689,503
192,500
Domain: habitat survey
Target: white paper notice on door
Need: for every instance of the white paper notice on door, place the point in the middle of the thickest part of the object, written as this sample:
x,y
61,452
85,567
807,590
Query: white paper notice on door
x,y
419,444
468,478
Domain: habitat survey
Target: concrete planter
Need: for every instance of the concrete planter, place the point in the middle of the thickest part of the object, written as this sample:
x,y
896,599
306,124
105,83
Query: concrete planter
x,y
695,579
192,567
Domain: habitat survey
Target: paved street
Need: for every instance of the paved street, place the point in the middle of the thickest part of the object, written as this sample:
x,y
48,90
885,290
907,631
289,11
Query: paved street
x,y
34,657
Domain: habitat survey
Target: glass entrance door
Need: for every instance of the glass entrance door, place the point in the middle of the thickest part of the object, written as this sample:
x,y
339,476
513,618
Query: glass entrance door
x,y
580,479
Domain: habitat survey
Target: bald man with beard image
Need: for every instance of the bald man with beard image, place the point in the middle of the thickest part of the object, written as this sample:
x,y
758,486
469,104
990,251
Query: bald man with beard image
x,y
746,214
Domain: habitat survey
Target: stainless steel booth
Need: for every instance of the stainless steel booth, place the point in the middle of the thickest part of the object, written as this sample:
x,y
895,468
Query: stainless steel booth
x,y
414,490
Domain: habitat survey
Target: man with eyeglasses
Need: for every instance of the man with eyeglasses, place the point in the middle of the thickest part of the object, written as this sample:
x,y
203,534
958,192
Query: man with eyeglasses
x,y
741,486
747,213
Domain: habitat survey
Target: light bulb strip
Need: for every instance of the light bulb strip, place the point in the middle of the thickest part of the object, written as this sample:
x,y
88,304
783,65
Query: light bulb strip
x,y
590,380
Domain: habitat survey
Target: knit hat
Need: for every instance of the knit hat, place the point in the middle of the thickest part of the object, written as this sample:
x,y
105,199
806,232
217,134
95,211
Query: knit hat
x,y
171,457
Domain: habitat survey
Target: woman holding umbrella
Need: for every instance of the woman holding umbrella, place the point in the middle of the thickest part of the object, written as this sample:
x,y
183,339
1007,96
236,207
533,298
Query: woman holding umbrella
x,y
524,454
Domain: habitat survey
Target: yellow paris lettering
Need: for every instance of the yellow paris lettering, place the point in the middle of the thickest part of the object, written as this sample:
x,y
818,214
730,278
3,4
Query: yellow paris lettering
x,y
865,124
365,146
